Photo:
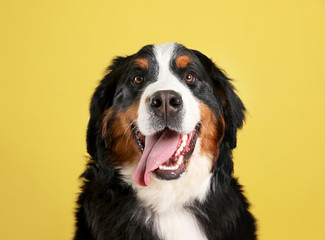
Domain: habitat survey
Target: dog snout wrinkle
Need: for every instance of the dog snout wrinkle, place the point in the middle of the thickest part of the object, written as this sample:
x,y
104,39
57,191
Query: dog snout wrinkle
x,y
166,104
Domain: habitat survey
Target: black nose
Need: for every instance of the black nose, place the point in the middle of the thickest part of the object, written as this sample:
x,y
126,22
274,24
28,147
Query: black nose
x,y
166,104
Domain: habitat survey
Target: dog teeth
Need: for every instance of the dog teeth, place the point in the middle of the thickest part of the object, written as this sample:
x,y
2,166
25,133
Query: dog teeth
x,y
175,167
161,167
179,150
180,160
184,138
183,144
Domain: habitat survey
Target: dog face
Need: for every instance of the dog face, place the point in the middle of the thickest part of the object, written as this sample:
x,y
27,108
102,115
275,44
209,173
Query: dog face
x,y
162,114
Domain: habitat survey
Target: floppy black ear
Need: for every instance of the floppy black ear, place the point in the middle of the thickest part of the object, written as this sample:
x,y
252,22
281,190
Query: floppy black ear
x,y
232,107
101,100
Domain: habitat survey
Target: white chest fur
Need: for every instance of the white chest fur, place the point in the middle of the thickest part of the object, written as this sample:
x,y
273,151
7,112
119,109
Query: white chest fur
x,y
178,224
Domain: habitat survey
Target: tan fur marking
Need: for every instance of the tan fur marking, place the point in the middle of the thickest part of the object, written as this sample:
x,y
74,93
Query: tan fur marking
x,y
211,132
107,115
182,61
142,62
124,149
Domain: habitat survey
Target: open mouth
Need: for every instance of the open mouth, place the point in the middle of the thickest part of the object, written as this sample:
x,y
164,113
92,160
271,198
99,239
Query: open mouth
x,y
165,153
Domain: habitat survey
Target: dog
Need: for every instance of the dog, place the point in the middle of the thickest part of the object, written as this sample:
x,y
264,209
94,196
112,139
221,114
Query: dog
x,y
162,127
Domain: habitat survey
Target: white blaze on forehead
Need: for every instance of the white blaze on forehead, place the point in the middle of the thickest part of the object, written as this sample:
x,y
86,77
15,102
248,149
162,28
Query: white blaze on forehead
x,y
167,80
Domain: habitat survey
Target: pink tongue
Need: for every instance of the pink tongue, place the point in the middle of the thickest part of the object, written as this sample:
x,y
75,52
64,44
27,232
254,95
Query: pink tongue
x,y
158,149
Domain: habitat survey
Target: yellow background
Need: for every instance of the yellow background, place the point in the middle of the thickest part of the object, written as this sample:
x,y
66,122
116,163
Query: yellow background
x,y
54,52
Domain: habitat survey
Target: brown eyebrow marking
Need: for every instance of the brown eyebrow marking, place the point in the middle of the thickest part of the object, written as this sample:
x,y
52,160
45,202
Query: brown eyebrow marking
x,y
142,62
182,61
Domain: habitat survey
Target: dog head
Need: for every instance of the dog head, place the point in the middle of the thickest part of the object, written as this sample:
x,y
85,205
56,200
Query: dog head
x,y
161,111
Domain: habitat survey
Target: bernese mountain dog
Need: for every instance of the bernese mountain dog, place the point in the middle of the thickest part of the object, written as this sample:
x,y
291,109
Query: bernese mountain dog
x,y
162,128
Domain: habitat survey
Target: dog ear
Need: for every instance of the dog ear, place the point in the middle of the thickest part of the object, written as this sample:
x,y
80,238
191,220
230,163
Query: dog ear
x,y
233,109
101,100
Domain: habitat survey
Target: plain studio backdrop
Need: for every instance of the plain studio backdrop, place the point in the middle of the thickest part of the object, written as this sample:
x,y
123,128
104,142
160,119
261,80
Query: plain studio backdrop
x,y
53,53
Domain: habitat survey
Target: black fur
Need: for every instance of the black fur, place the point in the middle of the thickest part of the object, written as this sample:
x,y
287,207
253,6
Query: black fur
x,y
108,207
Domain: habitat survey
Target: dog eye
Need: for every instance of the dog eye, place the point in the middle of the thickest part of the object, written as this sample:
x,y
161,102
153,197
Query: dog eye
x,y
138,79
189,77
